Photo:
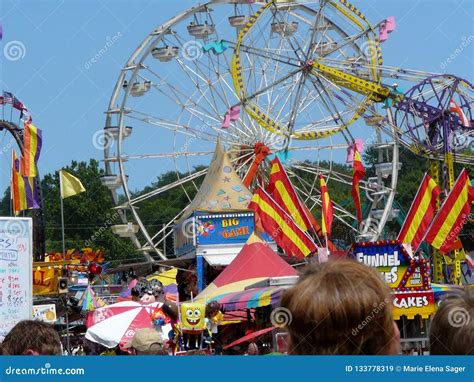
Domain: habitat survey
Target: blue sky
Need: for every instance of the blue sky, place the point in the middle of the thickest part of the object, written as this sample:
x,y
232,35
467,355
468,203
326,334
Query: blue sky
x,y
67,97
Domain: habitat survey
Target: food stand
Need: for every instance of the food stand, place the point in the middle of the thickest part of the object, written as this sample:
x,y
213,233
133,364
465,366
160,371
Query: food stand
x,y
409,278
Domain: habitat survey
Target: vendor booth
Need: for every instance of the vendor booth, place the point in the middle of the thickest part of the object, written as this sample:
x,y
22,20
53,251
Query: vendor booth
x,y
409,278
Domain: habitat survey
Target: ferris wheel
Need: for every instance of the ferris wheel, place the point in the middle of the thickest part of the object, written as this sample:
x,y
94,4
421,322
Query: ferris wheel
x,y
297,79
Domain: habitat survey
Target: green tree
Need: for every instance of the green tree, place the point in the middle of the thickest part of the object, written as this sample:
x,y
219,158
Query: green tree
x,y
88,217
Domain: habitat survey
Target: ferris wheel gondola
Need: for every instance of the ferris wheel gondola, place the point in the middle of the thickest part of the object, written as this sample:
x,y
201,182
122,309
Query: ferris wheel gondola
x,y
281,78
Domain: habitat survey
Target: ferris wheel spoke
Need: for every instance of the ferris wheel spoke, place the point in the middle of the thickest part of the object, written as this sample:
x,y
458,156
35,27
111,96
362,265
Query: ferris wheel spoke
x,y
320,18
287,95
275,72
315,197
295,108
167,155
277,57
298,51
327,101
177,93
172,126
206,83
304,104
213,106
168,187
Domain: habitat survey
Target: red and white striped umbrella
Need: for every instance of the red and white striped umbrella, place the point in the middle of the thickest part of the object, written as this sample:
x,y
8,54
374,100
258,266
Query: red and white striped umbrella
x,y
116,324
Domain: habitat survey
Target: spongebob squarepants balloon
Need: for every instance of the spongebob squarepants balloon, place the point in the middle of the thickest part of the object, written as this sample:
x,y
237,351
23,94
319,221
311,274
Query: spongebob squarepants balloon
x,y
193,316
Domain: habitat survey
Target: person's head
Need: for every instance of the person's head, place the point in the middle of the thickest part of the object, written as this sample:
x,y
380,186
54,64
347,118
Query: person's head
x,y
452,327
171,310
340,307
147,341
32,338
212,309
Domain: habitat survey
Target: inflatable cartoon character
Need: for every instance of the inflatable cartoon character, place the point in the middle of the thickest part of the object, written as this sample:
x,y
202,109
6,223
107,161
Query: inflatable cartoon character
x,y
192,323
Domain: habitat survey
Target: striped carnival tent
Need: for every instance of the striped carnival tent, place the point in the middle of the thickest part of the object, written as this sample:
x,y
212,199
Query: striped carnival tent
x,y
250,298
256,262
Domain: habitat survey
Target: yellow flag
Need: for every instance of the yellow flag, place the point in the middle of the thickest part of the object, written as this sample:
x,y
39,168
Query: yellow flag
x,y
69,185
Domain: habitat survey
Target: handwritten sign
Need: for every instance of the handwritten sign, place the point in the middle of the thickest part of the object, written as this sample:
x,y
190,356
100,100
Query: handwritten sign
x,y
16,260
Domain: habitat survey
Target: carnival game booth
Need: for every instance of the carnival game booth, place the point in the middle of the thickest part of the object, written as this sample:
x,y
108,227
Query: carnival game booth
x,y
217,223
409,278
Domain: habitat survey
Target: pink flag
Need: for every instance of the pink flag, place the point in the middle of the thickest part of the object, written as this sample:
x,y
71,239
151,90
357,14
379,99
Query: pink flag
x,y
387,26
359,145
232,115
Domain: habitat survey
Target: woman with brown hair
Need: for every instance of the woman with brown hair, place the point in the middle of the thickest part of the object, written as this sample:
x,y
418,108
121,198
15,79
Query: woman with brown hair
x,y
341,307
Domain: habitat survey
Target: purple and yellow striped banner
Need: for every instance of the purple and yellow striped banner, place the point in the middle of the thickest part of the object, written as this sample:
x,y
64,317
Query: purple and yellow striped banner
x,y
32,141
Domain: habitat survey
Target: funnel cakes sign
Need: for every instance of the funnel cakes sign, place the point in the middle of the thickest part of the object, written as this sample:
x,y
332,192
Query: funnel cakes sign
x,y
407,276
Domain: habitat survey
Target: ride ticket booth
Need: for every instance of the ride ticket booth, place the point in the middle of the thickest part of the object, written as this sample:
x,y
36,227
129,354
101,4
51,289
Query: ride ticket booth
x,y
409,278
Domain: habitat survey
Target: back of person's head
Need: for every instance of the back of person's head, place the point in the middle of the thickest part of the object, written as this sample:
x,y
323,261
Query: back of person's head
x,y
147,341
340,307
212,308
32,338
171,310
452,327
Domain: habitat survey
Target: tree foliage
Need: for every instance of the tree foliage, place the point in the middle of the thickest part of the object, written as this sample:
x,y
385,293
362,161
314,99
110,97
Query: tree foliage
x,y
90,215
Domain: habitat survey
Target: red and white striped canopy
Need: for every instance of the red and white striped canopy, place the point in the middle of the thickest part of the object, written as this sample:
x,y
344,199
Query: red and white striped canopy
x,y
116,324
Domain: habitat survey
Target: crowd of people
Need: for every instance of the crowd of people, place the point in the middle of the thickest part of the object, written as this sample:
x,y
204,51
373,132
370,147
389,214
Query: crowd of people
x,y
340,307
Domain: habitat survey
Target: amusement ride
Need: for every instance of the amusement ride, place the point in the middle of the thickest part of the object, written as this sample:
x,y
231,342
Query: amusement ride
x,y
299,80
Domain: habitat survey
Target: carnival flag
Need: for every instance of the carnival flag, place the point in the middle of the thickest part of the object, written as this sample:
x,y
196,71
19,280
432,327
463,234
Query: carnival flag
x,y
33,142
24,192
280,226
7,98
69,185
421,213
358,172
327,208
282,191
452,215
18,195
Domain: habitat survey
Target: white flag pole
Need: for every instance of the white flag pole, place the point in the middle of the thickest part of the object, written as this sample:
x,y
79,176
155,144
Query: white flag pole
x,y
62,213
